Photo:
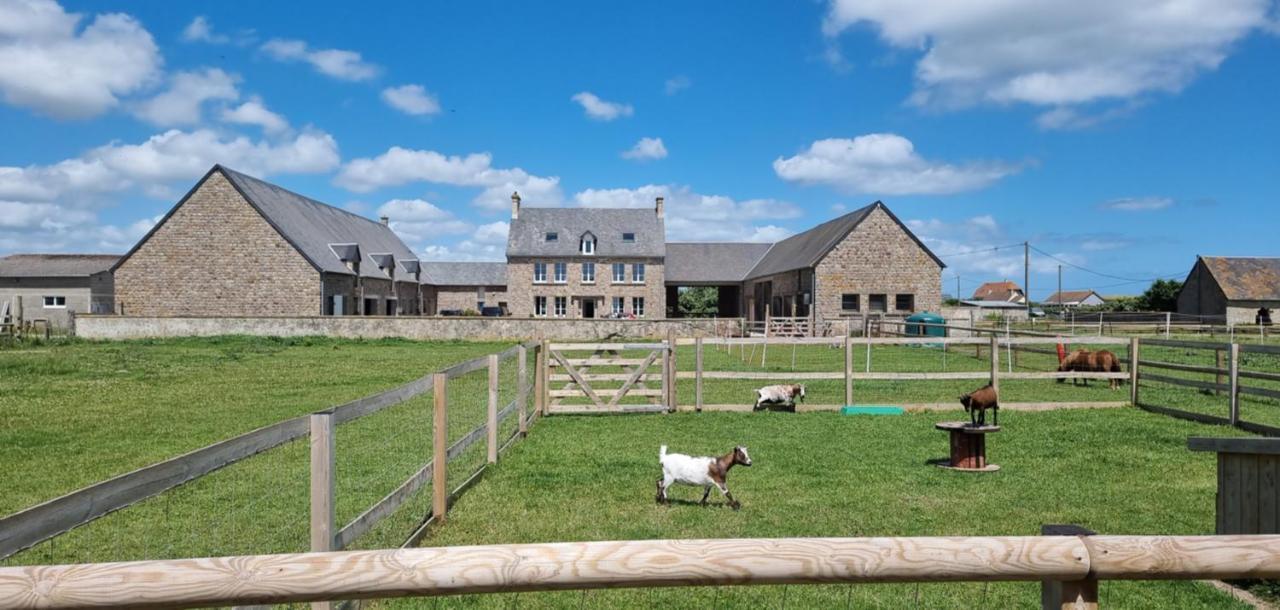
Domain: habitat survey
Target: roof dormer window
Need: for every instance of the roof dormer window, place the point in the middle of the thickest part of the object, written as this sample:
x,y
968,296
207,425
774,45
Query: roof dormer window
x,y
553,236
628,238
588,244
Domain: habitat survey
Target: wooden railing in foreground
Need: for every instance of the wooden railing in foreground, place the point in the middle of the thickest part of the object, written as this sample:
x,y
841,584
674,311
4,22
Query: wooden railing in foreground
x,y
263,579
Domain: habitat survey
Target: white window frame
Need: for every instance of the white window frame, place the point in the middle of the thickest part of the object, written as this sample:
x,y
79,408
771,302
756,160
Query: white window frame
x,y
539,307
588,245
539,273
637,306
561,306
619,306
51,301
619,278
560,273
588,273
637,273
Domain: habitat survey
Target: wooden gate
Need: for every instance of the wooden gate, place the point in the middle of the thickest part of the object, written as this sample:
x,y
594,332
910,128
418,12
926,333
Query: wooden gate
x,y
596,377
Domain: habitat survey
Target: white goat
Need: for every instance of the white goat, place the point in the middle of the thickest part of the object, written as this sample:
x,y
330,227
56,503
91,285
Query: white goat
x,y
700,471
785,394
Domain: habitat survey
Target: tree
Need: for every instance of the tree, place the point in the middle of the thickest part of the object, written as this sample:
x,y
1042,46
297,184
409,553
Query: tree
x,y
1162,295
700,301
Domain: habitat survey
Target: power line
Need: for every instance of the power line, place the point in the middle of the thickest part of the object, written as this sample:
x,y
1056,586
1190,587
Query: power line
x,y
1097,273
979,251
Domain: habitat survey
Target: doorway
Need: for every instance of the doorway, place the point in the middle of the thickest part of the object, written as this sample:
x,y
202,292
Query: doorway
x,y
588,308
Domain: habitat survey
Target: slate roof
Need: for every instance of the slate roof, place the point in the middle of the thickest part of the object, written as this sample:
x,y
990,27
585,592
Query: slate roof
x,y
992,304
55,265
465,274
998,291
711,263
806,249
1070,296
528,231
313,227
1246,278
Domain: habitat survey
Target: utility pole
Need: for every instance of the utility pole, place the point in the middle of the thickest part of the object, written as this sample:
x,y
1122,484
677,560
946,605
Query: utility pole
x,y
958,297
1059,303
1026,275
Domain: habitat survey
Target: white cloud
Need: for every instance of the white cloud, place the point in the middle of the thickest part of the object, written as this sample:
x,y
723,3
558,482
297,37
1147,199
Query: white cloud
x,y
601,110
415,210
677,84
402,166
885,163
464,251
182,102
1138,204
694,216
200,30
255,112
646,149
49,67
178,155
1050,53
492,233
411,99
338,63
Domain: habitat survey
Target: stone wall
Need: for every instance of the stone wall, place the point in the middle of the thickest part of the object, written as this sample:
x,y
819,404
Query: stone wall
x,y
465,297
521,290
878,257
216,255
130,327
1200,294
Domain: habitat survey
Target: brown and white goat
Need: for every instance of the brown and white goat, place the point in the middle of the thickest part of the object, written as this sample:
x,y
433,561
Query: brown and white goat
x,y
978,401
779,394
700,471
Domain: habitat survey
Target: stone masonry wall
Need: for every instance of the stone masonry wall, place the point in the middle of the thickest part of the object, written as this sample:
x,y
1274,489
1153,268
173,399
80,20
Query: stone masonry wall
x,y
521,290
217,256
464,297
878,257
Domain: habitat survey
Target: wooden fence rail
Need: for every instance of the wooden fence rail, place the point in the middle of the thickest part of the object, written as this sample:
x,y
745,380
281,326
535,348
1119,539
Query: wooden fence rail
x,y
265,579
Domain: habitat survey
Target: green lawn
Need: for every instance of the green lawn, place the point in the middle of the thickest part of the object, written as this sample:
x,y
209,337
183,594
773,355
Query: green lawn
x,y
1117,471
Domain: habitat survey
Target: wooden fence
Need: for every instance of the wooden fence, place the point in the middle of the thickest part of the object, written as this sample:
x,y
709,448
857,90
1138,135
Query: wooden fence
x,y
1068,566
54,517
1227,378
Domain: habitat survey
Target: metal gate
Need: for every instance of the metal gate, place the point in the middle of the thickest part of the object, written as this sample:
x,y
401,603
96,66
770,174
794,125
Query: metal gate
x,y
596,377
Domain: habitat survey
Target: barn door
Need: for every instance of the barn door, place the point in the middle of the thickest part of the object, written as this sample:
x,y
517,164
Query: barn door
x,y
607,377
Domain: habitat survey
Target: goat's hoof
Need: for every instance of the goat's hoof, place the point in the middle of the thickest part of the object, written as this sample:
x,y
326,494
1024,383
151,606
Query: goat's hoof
x,y
735,506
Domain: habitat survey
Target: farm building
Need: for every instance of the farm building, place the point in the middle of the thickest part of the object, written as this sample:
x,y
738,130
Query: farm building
x,y
1006,291
1074,298
458,287
54,287
1243,289
235,245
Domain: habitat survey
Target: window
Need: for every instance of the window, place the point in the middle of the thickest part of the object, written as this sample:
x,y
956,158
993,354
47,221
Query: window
x,y
540,307
539,273
905,302
562,273
553,236
335,305
588,244
878,302
619,273
850,302
628,238
55,302
618,306
562,306
637,306
588,273
637,273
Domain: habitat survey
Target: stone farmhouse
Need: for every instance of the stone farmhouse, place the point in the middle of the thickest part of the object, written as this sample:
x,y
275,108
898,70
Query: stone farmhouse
x,y
55,287
1243,290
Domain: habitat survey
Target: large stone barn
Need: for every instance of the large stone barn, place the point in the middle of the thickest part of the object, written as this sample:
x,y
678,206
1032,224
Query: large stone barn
x,y
238,246
55,287
458,287
1243,290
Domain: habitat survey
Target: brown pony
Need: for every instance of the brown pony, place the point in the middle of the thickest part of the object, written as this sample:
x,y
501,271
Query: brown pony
x,y
1085,361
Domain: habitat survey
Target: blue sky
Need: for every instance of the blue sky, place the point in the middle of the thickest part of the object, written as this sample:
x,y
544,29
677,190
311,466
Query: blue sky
x,y
1122,140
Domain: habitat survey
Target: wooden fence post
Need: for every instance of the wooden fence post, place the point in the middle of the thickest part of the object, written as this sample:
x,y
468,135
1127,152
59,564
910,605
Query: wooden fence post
x,y
1134,359
995,363
322,484
768,322
540,380
697,383
848,370
439,450
671,369
492,424
1233,373
1068,595
522,389
1218,363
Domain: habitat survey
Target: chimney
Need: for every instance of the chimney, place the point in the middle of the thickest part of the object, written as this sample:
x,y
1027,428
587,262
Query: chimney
x,y
385,220
658,206
515,205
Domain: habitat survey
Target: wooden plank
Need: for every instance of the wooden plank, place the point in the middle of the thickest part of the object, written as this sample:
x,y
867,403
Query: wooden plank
x,y
621,410
48,519
1233,380
1064,375
1180,414
463,368
384,508
760,375
1259,375
1190,383
697,369
464,443
578,378
848,370
1248,493
1254,348
567,347
672,387
439,448
1259,392
1187,344
492,411
1134,360
322,489
933,406
1198,557
995,364
522,385
832,341
371,404
1257,446
602,392
617,396
1268,494
1186,368
560,361
539,380
1055,340
647,377
1230,519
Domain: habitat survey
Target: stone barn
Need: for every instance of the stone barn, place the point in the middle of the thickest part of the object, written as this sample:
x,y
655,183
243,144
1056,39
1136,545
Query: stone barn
x,y
462,286
1240,289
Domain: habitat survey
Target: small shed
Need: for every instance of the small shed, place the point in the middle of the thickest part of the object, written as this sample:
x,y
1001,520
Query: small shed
x,y
1248,499
925,324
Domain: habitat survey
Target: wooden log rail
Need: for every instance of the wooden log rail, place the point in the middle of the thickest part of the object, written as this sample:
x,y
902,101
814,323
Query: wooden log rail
x,y
267,579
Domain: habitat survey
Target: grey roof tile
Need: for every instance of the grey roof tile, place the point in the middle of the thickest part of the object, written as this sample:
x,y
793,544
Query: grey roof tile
x,y
528,232
55,265
711,263
464,274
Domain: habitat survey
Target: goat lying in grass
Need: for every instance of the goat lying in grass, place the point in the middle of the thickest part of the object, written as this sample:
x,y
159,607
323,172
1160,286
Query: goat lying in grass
x,y
700,471
779,394
978,401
